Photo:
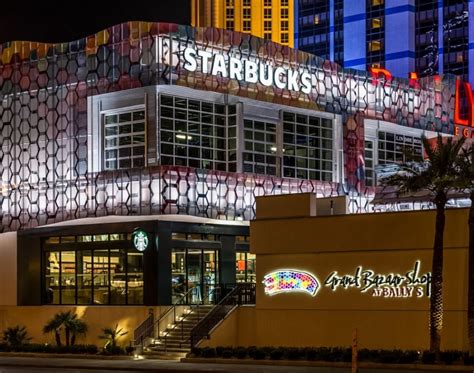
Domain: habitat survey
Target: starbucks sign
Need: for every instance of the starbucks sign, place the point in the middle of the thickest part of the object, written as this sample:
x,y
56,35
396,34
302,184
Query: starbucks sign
x,y
140,240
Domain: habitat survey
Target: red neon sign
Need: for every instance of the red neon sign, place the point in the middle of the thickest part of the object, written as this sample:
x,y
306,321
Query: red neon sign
x,y
377,71
469,121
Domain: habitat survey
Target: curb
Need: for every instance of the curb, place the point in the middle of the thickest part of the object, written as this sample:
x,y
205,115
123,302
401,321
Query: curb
x,y
322,364
64,356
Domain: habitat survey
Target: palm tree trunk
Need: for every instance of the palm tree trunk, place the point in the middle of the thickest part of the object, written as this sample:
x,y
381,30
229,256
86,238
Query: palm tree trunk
x,y
436,300
470,290
68,332
57,336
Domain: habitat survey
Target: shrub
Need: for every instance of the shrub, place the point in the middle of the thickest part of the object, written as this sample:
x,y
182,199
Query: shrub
x,y
311,354
220,350
240,353
196,351
16,336
409,357
468,360
208,352
227,353
293,354
113,350
276,354
259,354
428,357
251,351
450,356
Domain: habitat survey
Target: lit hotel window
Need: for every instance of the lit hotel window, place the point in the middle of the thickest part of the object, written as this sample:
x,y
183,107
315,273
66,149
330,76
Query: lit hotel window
x,y
376,22
229,3
124,140
375,46
316,19
377,2
459,57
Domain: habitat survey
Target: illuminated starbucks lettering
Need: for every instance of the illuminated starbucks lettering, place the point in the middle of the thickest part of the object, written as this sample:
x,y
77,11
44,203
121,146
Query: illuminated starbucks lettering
x,y
248,71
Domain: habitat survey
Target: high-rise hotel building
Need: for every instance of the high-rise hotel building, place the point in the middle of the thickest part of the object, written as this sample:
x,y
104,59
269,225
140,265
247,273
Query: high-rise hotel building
x,y
268,19
429,37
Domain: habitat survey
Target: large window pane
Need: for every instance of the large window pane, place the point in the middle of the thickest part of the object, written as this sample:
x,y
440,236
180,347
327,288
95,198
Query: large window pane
x,y
101,277
52,278
178,274
118,276
84,277
135,277
68,277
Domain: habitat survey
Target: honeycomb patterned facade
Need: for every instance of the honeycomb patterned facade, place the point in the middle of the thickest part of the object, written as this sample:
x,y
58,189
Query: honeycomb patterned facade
x,y
44,90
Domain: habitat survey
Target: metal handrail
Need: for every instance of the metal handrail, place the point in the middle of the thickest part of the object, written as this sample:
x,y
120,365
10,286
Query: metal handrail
x,y
182,320
146,328
243,293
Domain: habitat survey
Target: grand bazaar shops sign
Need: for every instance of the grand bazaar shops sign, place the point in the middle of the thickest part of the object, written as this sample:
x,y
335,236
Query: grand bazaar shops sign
x,y
412,284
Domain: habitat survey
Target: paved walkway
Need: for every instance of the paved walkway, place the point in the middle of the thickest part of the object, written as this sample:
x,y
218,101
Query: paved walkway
x,y
65,364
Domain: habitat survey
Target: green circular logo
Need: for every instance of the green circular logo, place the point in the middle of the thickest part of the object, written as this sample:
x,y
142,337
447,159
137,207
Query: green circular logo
x,y
140,240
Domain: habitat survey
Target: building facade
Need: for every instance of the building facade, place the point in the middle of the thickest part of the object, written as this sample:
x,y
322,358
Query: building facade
x,y
423,36
268,19
109,142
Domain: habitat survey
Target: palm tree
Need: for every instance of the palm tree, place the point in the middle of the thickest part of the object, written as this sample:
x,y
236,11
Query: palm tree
x,y
16,336
466,174
111,336
439,177
70,323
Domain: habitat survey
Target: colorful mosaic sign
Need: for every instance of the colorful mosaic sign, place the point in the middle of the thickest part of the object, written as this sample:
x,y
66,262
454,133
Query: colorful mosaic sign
x,y
287,281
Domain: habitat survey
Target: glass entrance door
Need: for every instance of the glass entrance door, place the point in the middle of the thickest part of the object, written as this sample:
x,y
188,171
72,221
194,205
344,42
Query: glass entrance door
x,y
194,274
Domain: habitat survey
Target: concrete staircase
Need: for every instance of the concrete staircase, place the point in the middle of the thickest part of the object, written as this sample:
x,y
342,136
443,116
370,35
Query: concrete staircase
x,y
174,342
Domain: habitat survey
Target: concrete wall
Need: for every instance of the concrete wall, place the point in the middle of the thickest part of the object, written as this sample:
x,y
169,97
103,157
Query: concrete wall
x,y
8,269
96,318
384,243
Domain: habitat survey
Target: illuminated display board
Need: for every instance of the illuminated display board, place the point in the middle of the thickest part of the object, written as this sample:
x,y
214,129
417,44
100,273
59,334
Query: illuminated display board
x,y
411,284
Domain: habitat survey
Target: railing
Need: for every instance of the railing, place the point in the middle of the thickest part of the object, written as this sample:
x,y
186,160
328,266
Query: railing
x,y
141,333
193,309
243,293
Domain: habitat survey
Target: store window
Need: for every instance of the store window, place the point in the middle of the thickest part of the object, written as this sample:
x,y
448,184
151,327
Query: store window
x,y
397,148
194,275
307,147
124,140
245,267
93,273
197,134
260,147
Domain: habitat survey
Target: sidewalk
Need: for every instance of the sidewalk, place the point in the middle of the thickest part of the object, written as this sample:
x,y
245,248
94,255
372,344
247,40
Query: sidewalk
x,y
150,366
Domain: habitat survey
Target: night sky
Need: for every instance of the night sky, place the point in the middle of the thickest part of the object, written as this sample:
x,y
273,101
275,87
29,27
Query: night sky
x,y
58,21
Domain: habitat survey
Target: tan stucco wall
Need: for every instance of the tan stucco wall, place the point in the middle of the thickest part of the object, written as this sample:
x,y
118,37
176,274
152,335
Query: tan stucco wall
x,y
8,269
385,243
96,317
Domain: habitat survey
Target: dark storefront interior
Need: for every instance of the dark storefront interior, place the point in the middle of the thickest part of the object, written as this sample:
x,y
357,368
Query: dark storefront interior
x,y
184,262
